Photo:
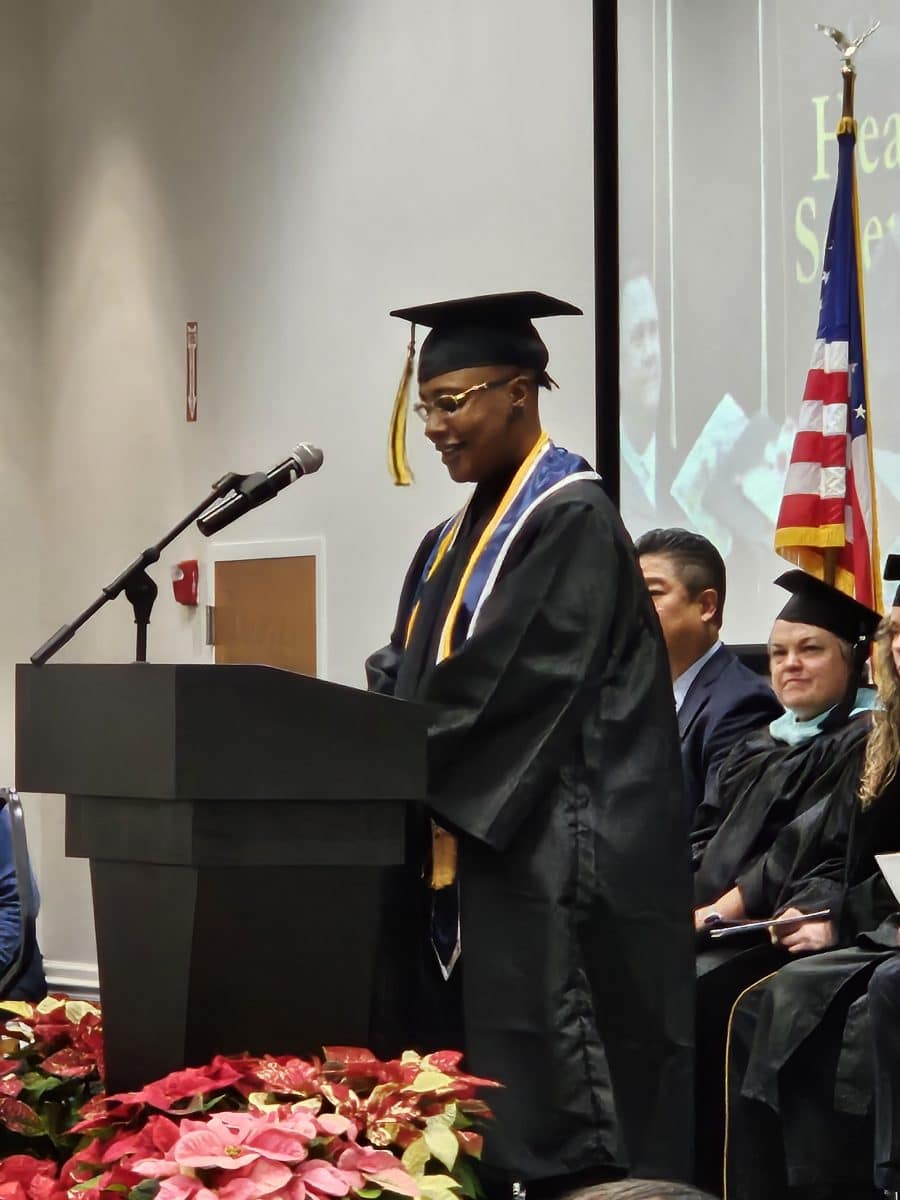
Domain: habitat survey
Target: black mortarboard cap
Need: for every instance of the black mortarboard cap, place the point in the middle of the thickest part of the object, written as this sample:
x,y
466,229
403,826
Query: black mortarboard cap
x,y
477,331
484,331
814,602
892,573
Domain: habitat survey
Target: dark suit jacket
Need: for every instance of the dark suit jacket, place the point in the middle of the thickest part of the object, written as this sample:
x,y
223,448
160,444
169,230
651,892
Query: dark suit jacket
x,y
725,701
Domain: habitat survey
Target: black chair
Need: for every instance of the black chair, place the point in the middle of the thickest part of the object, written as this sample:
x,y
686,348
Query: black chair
x,y
9,799
753,655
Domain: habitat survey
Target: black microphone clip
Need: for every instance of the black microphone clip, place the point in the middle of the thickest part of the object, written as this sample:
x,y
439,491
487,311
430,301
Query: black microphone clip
x,y
255,489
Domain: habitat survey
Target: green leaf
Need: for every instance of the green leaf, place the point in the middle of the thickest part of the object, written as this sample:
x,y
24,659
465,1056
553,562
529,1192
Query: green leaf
x,y
145,1190
368,1193
87,1184
37,1083
441,1142
465,1173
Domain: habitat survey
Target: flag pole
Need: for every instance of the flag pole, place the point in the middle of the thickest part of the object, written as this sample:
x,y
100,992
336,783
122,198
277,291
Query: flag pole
x,y
847,124
849,73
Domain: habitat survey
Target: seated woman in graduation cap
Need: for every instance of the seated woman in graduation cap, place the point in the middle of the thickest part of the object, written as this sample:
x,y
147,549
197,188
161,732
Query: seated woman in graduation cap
x,y
799,1077
817,652
780,777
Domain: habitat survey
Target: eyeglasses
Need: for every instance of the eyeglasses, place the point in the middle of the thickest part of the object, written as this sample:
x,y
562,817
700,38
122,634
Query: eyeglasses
x,y
450,403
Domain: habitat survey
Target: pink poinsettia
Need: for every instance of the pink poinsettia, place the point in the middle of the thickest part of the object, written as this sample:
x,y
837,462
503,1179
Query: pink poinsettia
x,y
256,1180
379,1166
323,1179
335,1125
227,1139
315,1130
230,1141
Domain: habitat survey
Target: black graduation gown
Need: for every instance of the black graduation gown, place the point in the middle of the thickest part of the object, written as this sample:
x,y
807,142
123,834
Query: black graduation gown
x,y
799,1078
769,800
811,864
553,754
761,787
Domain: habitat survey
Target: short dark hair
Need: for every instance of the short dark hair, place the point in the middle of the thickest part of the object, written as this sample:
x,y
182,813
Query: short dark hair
x,y
698,563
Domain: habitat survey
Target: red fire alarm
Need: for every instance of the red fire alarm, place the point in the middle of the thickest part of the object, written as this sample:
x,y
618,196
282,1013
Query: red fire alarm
x,y
185,581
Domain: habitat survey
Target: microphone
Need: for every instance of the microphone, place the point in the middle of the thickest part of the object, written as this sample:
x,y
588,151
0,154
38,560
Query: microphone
x,y
256,489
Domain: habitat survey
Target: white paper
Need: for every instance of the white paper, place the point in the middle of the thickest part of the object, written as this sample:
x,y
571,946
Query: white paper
x,y
889,865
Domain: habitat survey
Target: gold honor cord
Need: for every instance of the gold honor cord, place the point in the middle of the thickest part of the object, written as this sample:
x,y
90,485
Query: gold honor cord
x,y
398,463
444,858
512,491
444,845
444,545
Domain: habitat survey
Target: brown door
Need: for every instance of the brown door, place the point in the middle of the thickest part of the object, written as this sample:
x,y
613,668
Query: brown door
x,y
266,612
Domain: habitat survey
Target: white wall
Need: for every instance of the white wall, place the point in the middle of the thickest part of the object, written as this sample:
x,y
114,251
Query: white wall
x,y
20,392
284,172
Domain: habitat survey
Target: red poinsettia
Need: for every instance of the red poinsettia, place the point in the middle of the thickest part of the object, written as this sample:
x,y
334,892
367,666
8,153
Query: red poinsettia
x,y
25,1178
240,1128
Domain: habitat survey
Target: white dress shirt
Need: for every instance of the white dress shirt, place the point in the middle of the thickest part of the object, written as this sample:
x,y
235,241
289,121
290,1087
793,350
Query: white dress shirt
x,y
681,685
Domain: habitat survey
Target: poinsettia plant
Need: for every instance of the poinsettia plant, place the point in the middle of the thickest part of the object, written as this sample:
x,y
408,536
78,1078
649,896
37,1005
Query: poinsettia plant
x,y
51,1064
241,1128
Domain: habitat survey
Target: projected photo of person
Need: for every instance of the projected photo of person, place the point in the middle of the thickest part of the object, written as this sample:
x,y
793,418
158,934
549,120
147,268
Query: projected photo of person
x,y
646,471
728,485
724,216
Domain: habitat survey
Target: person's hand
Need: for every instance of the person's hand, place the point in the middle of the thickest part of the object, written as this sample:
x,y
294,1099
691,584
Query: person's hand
x,y
700,915
806,938
730,907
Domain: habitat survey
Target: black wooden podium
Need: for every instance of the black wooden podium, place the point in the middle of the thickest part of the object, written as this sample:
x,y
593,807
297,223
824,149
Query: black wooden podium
x,y
242,825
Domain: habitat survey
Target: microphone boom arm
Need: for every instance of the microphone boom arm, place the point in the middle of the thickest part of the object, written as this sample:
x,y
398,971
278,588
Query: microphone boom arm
x,y
134,581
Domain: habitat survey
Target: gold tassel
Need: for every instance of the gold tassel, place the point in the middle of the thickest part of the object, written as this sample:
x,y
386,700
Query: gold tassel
x,y
443,857
398,463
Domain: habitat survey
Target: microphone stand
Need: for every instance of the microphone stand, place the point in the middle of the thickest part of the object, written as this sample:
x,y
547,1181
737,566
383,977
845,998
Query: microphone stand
x,y
139,588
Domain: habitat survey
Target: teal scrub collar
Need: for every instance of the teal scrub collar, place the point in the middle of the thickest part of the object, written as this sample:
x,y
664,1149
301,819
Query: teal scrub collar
x,y
791,730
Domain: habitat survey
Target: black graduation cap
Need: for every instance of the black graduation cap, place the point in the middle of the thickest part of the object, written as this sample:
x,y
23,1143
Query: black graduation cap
x,y
814,602
892,573
476,331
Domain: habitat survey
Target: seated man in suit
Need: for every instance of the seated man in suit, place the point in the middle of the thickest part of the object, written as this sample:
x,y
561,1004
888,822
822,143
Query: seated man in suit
x,y
717,698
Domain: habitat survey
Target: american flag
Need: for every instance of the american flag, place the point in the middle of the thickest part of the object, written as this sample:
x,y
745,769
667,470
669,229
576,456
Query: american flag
x,y
829,492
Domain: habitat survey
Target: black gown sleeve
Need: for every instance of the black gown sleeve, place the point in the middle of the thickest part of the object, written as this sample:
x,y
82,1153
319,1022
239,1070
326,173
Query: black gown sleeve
x,y
508,702
804,868
868,900
382,666
718,798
